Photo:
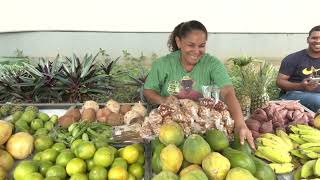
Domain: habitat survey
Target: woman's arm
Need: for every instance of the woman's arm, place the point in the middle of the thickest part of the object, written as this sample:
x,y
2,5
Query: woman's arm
x,y
228,95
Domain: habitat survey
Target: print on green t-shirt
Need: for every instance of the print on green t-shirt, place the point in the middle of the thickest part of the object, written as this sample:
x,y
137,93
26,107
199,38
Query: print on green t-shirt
x,y
168,77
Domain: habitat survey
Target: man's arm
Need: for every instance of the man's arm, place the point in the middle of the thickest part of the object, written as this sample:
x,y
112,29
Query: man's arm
x,y
305,85
284,83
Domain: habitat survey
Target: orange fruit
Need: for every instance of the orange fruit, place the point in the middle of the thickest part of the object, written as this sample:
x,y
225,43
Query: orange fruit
x,y
49,155
104,157
57,171
80,176
85,150
42,143
98,172
117,173
44,166
64,157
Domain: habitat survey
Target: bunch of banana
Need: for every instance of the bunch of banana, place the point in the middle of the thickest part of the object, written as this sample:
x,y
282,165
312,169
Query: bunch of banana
x,y
310,169
276,149
307,142
304,134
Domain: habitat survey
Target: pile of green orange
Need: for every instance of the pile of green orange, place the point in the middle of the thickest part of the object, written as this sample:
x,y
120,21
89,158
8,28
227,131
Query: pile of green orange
x,y
82,161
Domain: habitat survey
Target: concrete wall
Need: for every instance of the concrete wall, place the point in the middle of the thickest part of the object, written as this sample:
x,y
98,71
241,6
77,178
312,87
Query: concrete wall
x,y
270,46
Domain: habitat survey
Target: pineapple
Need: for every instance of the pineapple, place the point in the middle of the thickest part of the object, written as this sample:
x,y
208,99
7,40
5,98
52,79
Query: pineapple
x,y
262,78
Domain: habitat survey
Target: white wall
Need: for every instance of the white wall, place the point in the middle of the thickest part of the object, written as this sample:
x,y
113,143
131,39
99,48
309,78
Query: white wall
x,y
159,15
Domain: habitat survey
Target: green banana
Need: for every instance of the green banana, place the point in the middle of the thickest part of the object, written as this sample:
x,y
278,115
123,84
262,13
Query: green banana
x,y
307,169
275,155
316,168
304,129
296,138
294,129
282,168
285,137
273,144
314,149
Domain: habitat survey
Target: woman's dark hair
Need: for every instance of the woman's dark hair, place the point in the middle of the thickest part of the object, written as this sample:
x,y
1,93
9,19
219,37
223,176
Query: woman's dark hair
x,y
316,28
182,30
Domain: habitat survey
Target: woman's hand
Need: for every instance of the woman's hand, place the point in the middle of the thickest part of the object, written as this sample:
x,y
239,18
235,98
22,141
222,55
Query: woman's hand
x,y
245,134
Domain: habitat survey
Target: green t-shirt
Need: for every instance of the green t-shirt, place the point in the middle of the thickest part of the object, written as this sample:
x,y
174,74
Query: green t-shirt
x,y
168,77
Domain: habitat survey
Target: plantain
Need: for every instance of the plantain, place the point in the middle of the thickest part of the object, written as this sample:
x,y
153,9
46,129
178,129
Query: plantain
x,y
310,138
296,138
275,155
273,144
285,137
307,169
308,145
298,154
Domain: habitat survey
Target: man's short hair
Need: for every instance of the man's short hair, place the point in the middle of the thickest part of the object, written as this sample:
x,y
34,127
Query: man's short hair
x,y
316,28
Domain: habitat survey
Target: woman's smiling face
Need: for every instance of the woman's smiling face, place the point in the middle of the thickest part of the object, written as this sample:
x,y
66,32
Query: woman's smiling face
x,y
192,46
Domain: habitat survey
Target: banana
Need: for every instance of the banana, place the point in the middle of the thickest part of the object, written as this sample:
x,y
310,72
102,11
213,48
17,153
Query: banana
x,y
275,155
307,169
296,138
294,129
304,129
282,168
308,145
310,154
273,144
285,137
314,149
273,137
310,138
260,155
298,154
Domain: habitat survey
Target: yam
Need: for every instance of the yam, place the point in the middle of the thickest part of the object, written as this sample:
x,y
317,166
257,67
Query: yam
x,y
103,114
90,104
66,120
139,108
260,115
125,108
113,106
266,127
115,119
75,113
253,124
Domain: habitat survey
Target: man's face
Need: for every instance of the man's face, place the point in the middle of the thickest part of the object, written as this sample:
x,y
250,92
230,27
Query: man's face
x,y
192,47
314,42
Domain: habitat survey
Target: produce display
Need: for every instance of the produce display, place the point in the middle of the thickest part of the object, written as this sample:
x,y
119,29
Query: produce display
x,y
278,115
193,117
188,140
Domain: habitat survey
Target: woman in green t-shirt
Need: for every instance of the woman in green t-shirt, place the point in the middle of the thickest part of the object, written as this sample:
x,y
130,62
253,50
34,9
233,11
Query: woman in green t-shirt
x,y
184,72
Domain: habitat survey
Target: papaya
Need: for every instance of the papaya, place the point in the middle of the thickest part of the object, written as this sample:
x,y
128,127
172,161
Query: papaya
x,y
197,174
216,166
155,160
167,175
235,144
155,143
217,140
239,159
195,149
171,158
192,167
171,133
239,173
263,170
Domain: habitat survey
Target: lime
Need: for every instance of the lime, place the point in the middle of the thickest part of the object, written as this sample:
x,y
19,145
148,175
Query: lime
x,y
49,155
37,156
75,144
36,124
115,151
85,150
17,115
117,173
34,176
54,119
141,159
131,177
64,157
98,172
79,177
28,116
137,170
24,168
120,162
75,166
57,171
104,157
49,125
43,116
43,142
139,147
90,164
52,178
59,147
44,166
41,131
120,152
130,154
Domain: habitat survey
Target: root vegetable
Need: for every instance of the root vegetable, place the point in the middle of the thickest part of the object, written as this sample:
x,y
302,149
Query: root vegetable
x,y
129,116
115,119
253,124
266,127
113,106
139,108
259,115
125,108
65,121
103,114
90,104
75,114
